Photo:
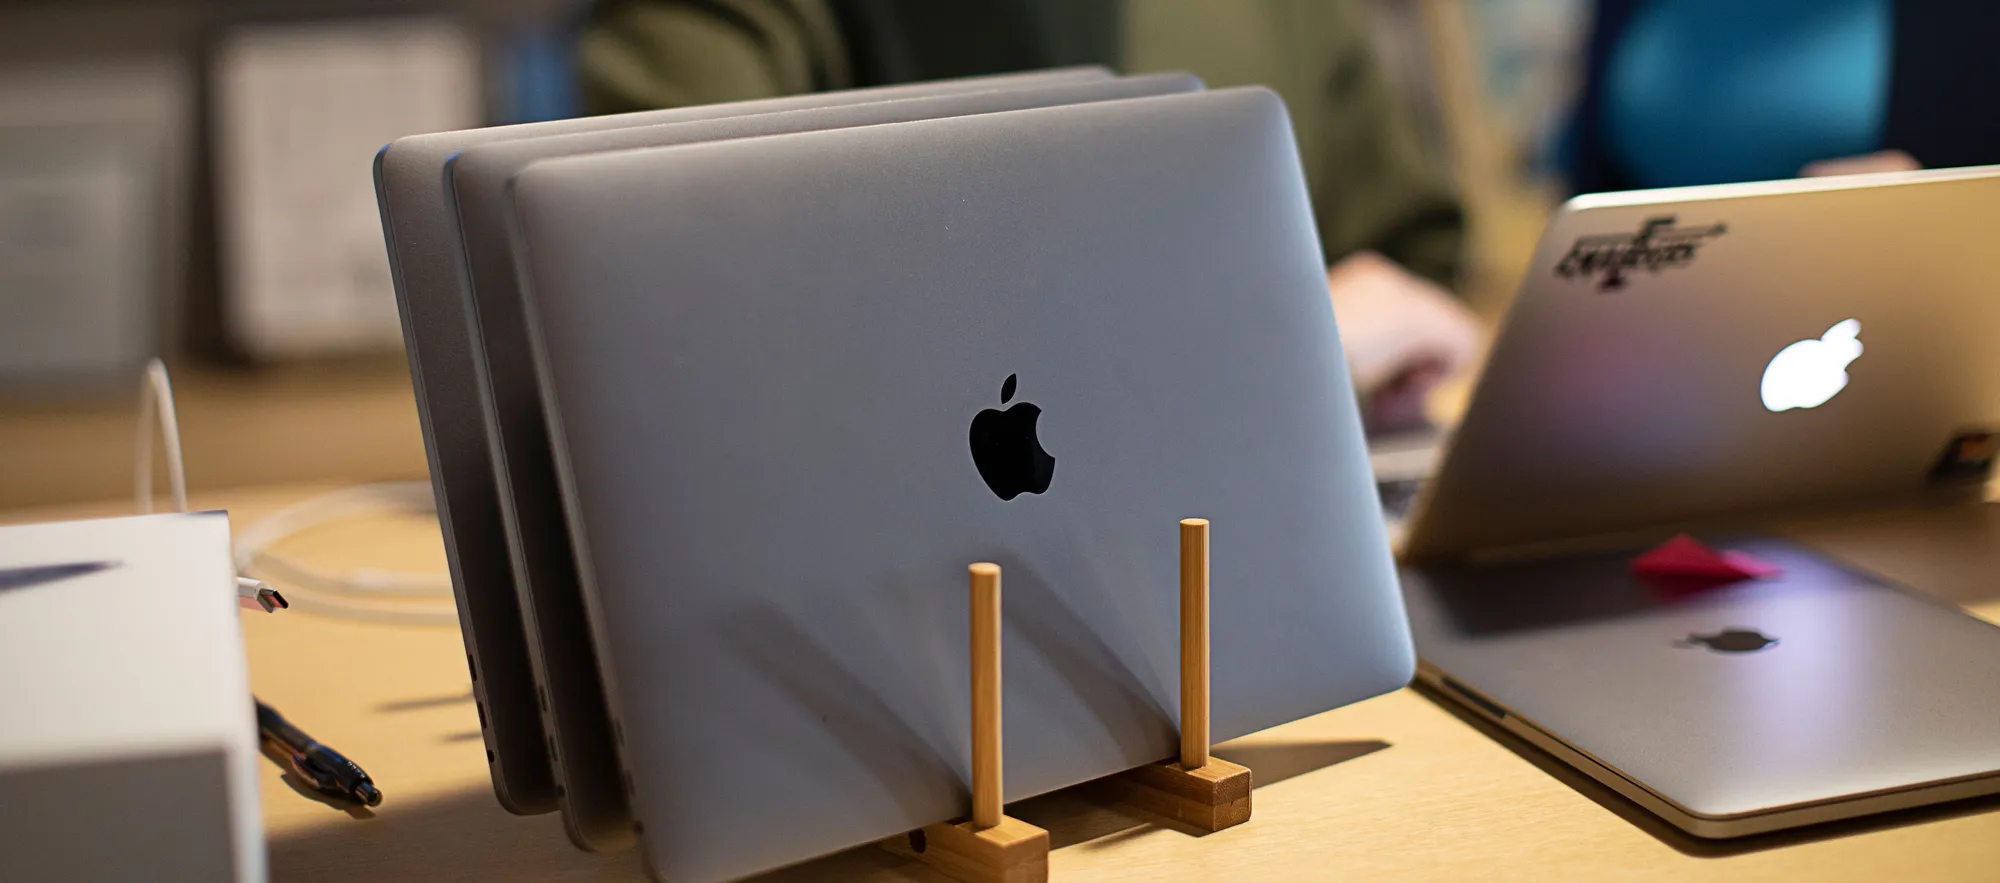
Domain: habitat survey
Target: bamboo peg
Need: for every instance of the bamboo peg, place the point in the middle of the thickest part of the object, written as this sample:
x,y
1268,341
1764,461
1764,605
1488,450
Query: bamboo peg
x,y
987,781
1202,791
992,847
1194,643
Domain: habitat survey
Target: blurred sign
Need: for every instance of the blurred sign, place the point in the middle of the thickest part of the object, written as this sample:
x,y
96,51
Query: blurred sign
x,y
92,166
300,110
75,251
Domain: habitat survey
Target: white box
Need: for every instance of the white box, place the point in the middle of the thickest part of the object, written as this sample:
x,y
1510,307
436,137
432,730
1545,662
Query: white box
x,y
128,737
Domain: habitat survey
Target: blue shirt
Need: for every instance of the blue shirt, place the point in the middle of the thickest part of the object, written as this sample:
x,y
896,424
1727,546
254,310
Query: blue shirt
x,y
1715,91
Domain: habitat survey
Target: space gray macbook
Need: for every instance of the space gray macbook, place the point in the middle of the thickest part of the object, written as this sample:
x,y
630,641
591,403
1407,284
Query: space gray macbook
x,y
558,639
763,405
1719,360
420,227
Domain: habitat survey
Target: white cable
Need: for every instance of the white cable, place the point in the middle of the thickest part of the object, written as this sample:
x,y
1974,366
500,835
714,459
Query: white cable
x,y
385,613
365,594
252,545
156,396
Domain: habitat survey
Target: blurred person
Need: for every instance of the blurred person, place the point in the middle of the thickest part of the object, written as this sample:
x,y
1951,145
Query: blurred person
x,y
1391,225
1681,92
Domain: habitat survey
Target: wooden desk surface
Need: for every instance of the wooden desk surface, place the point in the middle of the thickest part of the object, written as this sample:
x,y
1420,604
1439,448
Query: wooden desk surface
x,y
347,421
1395,788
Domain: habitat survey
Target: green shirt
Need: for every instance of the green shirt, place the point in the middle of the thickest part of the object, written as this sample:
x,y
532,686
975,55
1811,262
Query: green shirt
x,y
1372,185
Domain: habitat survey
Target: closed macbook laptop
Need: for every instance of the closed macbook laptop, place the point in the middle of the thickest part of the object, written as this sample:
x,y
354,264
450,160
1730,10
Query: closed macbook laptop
x,y
585,760
763,401
419,224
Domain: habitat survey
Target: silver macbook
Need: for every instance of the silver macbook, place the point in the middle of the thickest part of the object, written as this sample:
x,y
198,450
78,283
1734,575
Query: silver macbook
x,y
1677,355
1708,359
558,639
420,226
1824,693
796,384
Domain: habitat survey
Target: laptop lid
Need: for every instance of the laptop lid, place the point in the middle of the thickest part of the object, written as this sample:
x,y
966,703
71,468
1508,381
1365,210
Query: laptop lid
x,y
1824,692
769,473
558,638
1686,354
420,228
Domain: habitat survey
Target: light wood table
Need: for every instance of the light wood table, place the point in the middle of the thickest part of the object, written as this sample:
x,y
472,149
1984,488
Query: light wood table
x,y
1394,788
345,421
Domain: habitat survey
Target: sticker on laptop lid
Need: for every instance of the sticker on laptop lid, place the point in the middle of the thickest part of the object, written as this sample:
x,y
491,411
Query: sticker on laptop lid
x,y
1658,245
1967,458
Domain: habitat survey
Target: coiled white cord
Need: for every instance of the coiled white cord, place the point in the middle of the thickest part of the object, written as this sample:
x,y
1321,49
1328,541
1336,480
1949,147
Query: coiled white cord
x,y
156,398
366,594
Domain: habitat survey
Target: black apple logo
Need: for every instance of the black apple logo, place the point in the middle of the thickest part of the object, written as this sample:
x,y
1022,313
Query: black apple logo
x,y
1004,447
1730,641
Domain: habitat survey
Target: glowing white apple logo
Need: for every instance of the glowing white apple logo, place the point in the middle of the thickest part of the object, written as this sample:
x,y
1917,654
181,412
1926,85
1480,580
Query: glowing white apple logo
x,y
1807,373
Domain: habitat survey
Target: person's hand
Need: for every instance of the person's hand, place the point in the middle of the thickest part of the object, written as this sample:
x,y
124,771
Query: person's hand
x,y
1403,335
1880,161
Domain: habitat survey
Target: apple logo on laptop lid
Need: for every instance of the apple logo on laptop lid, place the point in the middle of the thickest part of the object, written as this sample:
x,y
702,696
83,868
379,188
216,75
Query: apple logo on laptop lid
x,y
1006,451
1731,640
1808,373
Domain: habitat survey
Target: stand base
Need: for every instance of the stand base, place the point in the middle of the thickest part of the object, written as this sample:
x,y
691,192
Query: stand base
x,y
1210,798
1010,852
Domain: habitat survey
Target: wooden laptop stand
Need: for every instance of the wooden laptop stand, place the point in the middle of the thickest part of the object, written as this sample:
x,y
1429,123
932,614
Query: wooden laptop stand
x,y
1204,792
992,847
1199,790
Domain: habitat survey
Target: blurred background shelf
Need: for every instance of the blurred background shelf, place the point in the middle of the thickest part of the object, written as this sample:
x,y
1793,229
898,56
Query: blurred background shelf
x,y
341,423
110,256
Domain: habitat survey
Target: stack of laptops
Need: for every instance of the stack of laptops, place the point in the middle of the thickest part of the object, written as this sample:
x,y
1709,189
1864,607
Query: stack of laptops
x,y
698,390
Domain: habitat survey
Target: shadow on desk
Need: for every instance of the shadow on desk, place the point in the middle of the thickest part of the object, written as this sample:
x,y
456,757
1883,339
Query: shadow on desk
x,y
456,837
469,837
1680,840
1087,816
